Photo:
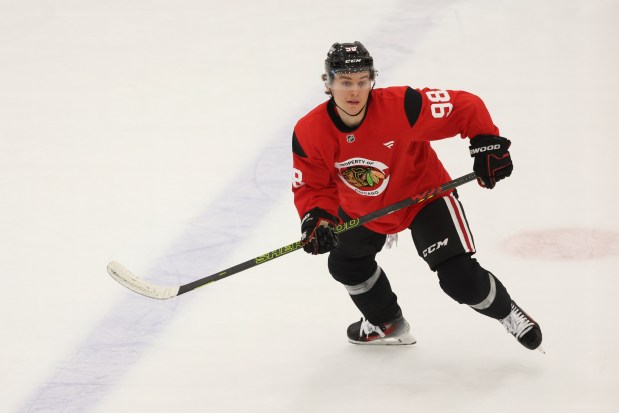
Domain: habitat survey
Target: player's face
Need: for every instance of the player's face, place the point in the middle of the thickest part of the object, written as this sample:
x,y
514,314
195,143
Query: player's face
x,y
351,90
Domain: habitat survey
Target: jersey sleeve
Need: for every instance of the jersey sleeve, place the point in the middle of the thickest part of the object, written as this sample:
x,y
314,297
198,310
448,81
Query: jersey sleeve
x,y
447,113
312,183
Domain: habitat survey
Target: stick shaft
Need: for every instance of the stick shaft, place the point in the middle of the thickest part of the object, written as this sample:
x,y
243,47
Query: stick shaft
x,y
346,226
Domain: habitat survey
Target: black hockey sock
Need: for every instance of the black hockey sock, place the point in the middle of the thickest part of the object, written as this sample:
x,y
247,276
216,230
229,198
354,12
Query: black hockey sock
x,y
497,303
375,299
467,282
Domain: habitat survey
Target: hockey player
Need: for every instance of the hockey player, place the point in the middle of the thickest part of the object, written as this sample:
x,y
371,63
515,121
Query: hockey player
x,y
366,148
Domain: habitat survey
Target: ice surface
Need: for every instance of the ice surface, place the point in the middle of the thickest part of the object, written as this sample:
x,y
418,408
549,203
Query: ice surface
x,y
157,133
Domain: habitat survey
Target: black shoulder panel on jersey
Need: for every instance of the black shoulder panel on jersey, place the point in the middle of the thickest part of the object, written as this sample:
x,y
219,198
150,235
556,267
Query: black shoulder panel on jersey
x,y
412,105
296,147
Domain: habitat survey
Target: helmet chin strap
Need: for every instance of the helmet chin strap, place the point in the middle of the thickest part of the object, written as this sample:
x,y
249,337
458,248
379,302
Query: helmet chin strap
x,y
349,114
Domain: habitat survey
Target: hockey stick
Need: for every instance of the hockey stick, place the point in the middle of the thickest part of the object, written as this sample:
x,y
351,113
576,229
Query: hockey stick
x,y
148,289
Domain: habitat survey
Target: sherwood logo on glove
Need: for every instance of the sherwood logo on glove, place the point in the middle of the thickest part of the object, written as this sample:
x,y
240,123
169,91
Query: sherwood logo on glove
x,y
485,149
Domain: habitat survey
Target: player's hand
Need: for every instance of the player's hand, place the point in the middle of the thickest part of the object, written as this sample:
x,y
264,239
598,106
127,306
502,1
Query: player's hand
x,y
318,231
492,160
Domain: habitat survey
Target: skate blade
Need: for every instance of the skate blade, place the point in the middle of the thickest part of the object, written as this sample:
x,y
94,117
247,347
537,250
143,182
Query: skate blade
x,y
403,340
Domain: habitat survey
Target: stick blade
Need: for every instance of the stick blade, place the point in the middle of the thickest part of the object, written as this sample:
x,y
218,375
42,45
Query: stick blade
x,y
138,285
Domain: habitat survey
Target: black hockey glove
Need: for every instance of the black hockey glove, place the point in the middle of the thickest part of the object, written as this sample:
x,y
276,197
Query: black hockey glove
x,y
492,161
317,228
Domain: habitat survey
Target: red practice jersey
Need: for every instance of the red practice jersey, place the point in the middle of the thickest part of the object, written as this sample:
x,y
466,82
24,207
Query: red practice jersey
x,y
385,159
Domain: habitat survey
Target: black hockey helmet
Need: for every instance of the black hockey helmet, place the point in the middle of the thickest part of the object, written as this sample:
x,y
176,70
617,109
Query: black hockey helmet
x,y
348,58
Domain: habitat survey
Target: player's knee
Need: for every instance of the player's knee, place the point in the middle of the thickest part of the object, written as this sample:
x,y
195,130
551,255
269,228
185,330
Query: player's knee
x,y
351,270
463,279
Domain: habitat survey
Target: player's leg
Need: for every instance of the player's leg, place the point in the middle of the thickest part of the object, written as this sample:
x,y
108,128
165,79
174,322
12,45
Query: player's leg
x,y
443,239
354,265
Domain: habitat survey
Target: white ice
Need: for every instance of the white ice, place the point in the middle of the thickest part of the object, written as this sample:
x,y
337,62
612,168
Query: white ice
x,y
157,133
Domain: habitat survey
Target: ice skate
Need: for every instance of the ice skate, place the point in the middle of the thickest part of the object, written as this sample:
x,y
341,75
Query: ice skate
x,y
394,332
524,328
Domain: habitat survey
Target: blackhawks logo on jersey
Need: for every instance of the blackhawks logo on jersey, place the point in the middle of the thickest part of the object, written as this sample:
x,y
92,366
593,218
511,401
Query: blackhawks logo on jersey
x,y
364,176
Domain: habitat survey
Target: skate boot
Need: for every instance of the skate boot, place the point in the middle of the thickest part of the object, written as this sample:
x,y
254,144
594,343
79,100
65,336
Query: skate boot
x,y
396,331
520,325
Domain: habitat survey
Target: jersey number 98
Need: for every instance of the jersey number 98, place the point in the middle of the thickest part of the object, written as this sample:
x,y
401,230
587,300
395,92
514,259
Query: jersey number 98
x,y
441,108
297,178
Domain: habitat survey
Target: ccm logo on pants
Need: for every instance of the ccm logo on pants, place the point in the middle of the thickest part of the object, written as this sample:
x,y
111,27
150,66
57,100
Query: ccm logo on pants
x,y
434,247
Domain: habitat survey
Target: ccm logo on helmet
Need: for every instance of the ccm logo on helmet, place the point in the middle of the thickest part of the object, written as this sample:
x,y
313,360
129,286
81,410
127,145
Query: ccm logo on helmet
x,y
352,60
434,247
486,149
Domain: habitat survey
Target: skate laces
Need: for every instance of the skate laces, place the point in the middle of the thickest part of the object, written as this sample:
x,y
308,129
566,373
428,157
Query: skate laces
x,y
517,323
368,328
